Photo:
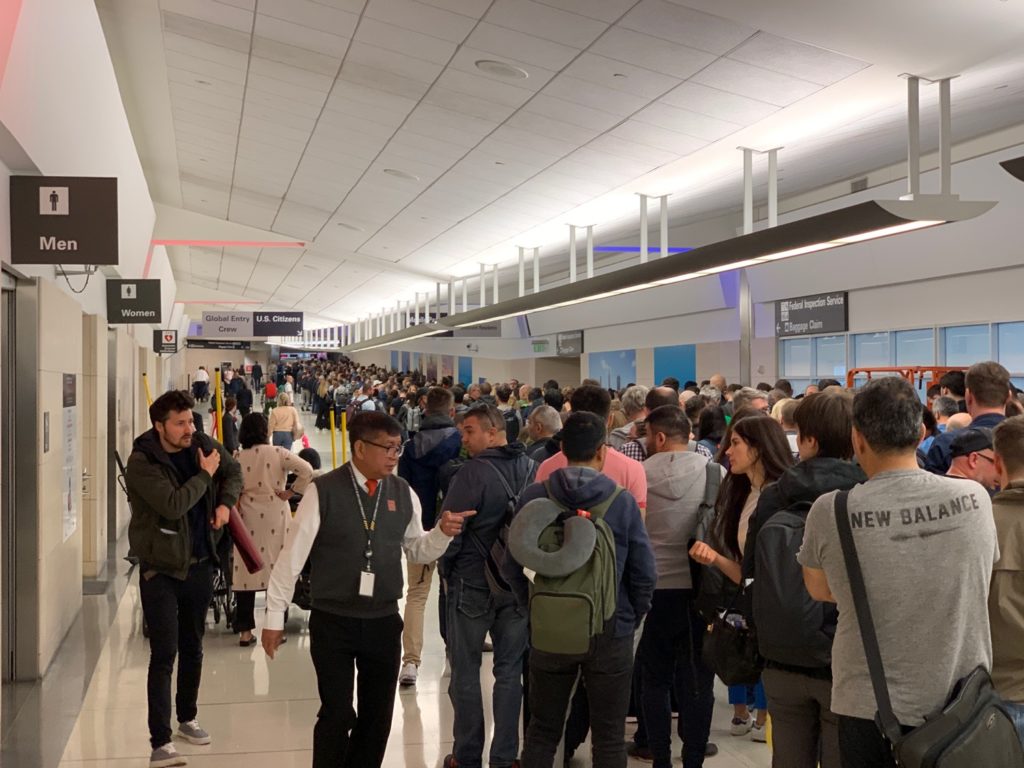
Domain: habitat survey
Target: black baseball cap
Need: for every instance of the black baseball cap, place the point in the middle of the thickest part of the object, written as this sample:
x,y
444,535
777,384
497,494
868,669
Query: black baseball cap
x,y
582,435
970,440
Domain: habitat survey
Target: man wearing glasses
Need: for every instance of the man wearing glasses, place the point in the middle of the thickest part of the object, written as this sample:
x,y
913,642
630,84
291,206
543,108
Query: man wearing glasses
x,y
353,524
973,457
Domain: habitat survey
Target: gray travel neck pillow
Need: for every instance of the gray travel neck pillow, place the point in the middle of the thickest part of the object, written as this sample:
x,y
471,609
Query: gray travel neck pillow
x,y
580,537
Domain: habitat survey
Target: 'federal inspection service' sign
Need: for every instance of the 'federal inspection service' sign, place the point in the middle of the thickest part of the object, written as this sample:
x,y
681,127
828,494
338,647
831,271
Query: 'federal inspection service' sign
x,y
133,301
63,220
820,313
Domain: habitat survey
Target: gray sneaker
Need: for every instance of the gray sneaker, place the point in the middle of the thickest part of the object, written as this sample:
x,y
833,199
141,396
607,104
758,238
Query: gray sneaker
x,y
193,733
166,756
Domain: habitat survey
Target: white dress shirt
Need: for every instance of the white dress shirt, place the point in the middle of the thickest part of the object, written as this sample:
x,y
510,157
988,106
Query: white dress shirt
x,y
419,547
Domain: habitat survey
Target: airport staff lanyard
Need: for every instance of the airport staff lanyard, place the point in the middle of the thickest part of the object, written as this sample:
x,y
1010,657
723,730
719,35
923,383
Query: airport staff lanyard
x,y
369,525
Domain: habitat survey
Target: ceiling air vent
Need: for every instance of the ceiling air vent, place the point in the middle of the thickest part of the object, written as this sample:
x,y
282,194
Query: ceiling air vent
x,y
858,185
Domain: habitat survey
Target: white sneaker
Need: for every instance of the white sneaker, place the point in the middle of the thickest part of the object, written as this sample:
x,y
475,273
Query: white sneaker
x,y
759,733
741,727
165,757
408,675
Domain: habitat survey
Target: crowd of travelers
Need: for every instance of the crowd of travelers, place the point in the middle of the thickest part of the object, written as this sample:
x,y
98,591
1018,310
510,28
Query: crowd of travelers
x,y
830,555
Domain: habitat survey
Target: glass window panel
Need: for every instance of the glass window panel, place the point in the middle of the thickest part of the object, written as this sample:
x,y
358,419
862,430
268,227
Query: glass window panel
x,y
915,347
800,385
830,357
796,357
1011,346
966,344
871,350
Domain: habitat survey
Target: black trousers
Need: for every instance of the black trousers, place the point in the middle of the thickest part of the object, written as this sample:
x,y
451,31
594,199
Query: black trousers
x,y
245,611
175,612
339,646
670,653
861,744
606,674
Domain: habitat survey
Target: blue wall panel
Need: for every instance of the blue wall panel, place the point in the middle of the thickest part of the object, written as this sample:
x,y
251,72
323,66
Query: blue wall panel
x,y
394,360
679,361
465,370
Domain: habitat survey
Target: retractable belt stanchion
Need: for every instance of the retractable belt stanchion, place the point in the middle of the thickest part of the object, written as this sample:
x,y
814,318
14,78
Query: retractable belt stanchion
x,y
220,405
145,383
344,437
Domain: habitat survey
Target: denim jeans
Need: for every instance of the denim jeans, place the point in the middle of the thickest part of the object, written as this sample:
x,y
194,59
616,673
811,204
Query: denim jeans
x,y
473,612
1016,711
282,439
606,672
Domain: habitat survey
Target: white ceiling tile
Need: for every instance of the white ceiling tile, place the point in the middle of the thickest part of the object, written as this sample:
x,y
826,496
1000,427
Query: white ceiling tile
x,y
472,8
304,109
467,105
660,138
215,93
686,26
796,59
214,34
375,78
181,106
204,69
650,52
202,50
311,14
255,128
291,75
221,14
312,96
300,221
339,122
594,96
449,126
716,103
466,57
685,121
559,130
399,64
755,83
248,5
621,76
571,113
280,117
544,21
521,45
419,17
603,10
405,41
483,87
296,56
615,145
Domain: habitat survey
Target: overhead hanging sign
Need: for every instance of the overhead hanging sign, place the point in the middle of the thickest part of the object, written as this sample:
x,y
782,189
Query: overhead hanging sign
x,y
165,342
277,324
63,220
133,301
819,313
226,325
217,344
569,344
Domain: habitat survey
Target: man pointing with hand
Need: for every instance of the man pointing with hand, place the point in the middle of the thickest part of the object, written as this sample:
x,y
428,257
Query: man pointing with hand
x,y
353,524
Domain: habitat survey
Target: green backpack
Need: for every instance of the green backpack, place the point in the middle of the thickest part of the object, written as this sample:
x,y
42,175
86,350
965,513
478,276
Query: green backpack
x,y
568,610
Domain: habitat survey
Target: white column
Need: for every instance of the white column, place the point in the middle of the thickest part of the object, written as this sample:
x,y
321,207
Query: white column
x,y
945,137
913,136
451,297
495,296
590,250
572,253
522,271
643,229
426,307
416,313
748,196
465,293
398,315
437,287
536,270
664,226
483,285
773,187
408,313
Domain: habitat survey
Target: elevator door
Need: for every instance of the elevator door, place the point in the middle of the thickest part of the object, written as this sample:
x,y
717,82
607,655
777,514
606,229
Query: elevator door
x,y
8,585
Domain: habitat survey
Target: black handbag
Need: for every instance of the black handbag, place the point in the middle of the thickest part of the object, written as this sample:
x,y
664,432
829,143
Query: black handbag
x,y
972,730
731,651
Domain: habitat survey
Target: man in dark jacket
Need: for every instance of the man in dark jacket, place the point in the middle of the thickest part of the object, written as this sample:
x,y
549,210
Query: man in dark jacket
x,y
489,483
181,485
799,697
607,669
436,443
257,375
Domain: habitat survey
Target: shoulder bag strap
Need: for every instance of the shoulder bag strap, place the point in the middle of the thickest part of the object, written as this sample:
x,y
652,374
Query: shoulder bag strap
x,y
598,511
887,718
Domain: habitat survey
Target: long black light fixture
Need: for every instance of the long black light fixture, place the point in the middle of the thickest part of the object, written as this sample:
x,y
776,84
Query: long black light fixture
x,y
411,333
1014,167
854,224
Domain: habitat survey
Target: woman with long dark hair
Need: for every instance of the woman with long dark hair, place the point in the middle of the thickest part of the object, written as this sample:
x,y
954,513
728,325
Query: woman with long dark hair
x,y
758,453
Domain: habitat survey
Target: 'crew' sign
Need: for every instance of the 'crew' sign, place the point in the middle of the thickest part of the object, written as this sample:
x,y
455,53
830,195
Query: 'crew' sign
x,y
63,220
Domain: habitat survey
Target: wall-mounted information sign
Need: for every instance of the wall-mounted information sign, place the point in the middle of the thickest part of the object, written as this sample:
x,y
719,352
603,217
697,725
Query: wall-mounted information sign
x,y
820,313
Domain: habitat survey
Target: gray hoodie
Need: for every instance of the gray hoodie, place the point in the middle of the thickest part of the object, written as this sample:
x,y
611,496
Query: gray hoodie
x,y
675,489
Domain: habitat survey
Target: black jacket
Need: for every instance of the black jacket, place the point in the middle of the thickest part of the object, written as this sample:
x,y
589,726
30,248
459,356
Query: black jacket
x,y
803,482
543,449
437,443
476,487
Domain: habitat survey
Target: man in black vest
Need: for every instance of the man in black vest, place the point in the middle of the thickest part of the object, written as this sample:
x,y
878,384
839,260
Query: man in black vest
x,y
352,525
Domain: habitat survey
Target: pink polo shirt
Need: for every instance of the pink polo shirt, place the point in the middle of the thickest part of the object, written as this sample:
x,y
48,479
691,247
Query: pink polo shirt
x,y
625,471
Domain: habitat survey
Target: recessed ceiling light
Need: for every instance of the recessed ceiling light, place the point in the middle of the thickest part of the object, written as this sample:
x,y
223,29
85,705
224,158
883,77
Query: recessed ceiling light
x,y
399,174
501,69
352,227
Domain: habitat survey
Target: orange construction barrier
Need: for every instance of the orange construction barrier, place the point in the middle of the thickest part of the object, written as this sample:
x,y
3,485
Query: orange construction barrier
x,y
915,374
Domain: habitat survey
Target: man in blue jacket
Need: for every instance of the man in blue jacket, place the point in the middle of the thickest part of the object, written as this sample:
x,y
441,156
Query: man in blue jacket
x,y
608,667
435,444
988,389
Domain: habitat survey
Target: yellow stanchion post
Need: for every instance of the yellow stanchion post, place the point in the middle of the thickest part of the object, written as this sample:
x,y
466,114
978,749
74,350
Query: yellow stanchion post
x,y
145,383
344,437
334,447
220,405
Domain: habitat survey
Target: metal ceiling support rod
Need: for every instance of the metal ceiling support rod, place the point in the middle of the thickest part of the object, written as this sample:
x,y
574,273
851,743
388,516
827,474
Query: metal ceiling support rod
x,y
408,313
426,307
773,187
451,296
572,253
536,269
522,271
664,226
495,284
590,250
483,284
744,302
437,288
913,136
416,313
643,229
465,294
945,136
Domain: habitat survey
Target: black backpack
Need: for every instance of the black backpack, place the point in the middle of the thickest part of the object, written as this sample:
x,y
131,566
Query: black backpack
x,y
792,627
512,424
494,557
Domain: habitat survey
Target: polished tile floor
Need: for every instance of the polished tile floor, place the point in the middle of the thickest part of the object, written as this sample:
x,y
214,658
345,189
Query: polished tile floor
x,y
260,713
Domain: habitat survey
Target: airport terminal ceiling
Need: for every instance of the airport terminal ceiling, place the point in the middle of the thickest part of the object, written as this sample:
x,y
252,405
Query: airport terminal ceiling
x,y
402,143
